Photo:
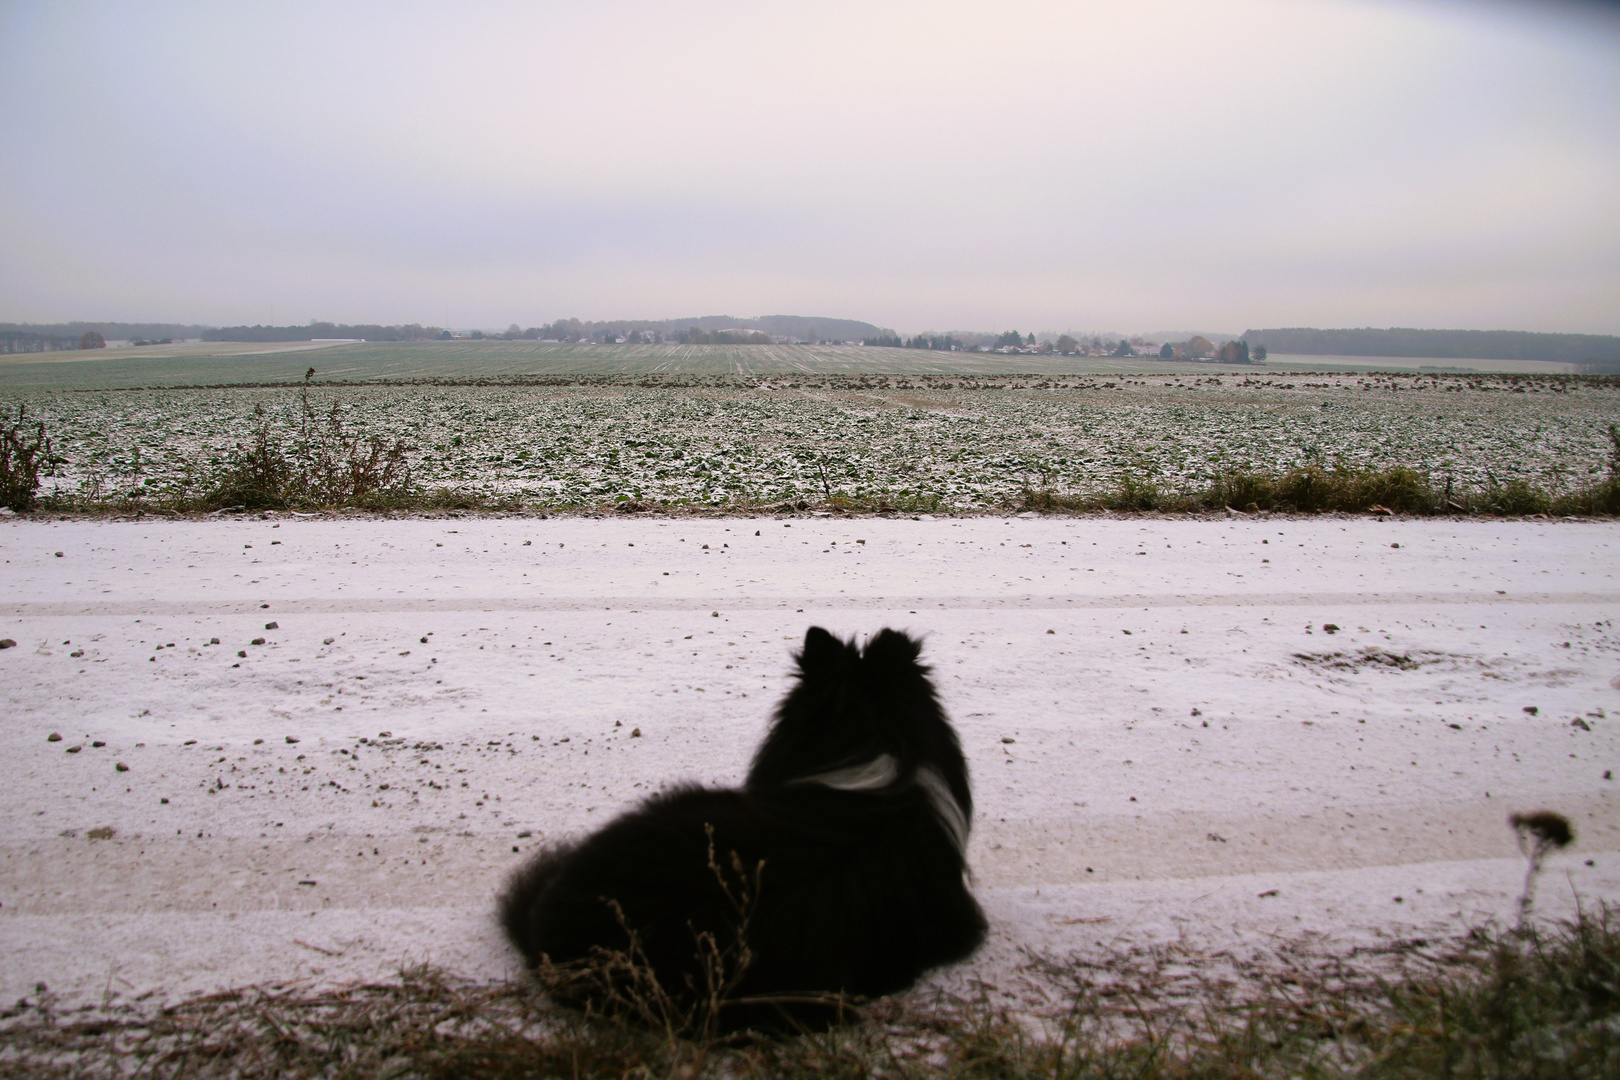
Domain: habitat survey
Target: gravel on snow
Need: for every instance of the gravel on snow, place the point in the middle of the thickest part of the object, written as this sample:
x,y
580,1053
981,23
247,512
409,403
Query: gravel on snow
x,y
312,749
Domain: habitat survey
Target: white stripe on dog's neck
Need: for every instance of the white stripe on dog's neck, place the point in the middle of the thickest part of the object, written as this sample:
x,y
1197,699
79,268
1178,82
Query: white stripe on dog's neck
x,y
875,775
883,770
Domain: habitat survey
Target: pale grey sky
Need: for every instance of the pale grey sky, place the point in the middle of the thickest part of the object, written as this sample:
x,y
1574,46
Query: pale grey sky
x,y
1141,165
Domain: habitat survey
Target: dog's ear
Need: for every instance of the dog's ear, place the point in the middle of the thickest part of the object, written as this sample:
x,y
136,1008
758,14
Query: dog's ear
x,y
892,650
821,652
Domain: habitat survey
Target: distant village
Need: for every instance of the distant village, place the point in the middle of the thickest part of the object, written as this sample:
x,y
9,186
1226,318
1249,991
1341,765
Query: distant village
x,y
1195,348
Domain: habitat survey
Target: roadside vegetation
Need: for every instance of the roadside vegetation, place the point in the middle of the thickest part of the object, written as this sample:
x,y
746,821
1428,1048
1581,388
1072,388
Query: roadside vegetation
x,y
1525,1003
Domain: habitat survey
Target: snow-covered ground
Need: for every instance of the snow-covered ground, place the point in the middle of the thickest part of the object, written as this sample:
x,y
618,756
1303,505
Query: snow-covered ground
x,y
1166,743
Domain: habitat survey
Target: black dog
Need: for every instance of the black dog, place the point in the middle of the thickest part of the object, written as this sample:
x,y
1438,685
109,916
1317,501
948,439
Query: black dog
x,y
836,870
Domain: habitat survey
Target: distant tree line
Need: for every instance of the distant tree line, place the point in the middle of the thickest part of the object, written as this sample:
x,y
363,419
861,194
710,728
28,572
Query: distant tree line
x,y
369,331
50,337
936,342
698,336
110,331
27,341
1447,344
567,330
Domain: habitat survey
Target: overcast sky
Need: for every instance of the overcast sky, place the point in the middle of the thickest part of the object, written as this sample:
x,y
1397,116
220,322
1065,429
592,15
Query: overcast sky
x,y
1150,165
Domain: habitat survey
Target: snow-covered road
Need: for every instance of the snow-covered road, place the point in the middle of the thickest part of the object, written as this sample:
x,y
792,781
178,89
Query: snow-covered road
x,y
1165,738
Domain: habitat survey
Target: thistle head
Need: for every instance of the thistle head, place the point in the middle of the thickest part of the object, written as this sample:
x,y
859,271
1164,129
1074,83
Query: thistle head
x,y
1548,830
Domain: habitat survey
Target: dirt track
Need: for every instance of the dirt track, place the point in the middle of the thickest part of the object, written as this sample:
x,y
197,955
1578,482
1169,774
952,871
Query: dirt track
x,y
1185,737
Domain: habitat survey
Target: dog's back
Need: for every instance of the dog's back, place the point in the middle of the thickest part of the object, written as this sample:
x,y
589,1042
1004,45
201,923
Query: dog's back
x,y
854,818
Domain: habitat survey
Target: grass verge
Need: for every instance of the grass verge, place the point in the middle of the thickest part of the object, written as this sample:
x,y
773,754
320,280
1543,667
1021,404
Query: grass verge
x,y
1525,1004
1317,489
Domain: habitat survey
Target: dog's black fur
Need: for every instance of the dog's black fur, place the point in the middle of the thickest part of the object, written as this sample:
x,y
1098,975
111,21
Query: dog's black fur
x,y
860,870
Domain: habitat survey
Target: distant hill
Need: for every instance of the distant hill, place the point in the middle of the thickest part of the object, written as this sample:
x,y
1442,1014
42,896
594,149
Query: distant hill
x,y
1447,344
1178,336
311,331
791,326
800,326
797,327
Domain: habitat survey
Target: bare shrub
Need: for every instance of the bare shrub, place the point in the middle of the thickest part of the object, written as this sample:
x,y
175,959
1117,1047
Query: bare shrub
x,y
323,464
21,456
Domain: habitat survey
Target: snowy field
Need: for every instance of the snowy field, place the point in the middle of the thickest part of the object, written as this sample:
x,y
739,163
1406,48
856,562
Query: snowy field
x,y
1167,744
965,441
